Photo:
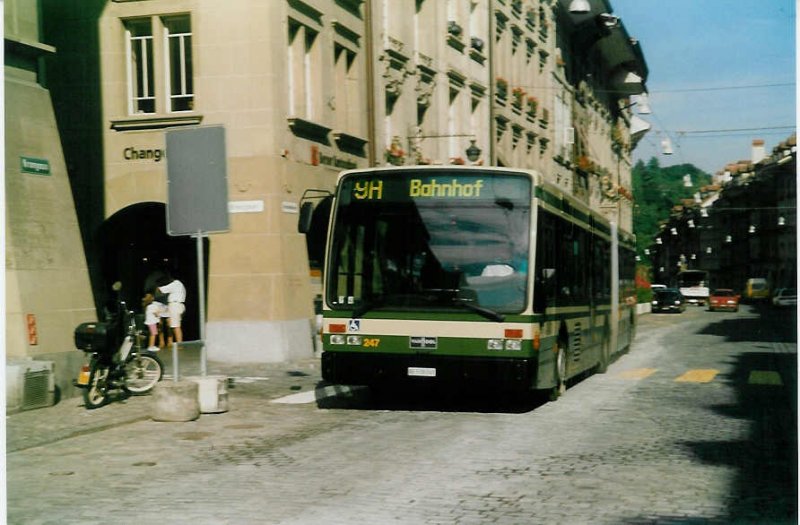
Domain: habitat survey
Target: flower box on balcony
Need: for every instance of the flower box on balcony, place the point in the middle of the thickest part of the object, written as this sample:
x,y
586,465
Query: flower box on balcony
x,y
395,154
518,93
502,88
533,104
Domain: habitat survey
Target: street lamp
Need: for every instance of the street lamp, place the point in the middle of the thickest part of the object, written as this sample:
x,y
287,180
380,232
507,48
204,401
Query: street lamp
x,y
473,152
579,6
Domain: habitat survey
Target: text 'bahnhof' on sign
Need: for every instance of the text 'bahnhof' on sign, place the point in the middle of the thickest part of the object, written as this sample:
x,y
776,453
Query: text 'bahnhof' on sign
x,y
373,189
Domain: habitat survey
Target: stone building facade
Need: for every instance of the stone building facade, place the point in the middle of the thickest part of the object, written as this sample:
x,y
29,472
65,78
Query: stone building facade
x,y
47,290
304,89
743,226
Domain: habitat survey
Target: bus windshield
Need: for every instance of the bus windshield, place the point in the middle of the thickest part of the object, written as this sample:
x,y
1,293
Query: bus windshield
x,y
430,240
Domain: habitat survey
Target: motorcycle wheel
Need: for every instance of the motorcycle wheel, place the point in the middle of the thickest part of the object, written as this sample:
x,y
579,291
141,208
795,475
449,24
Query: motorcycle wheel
x,y
142,372
95,394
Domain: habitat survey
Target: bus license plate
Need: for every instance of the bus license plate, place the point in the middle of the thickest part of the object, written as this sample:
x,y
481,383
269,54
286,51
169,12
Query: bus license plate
x,y
415,371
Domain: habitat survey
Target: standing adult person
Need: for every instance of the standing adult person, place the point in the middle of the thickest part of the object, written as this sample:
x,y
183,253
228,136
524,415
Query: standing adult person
x,y
176,297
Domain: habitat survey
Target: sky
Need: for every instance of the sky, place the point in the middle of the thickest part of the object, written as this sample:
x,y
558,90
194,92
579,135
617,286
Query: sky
x,y
715,66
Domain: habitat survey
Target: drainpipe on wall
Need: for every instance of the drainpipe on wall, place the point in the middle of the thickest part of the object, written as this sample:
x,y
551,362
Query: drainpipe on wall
x,y
492,124
370,59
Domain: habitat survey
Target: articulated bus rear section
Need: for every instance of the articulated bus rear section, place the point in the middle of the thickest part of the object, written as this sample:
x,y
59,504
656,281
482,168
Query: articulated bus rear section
x,y
460,274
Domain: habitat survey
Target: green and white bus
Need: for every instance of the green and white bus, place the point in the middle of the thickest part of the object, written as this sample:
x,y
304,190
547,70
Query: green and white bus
x,y
451,273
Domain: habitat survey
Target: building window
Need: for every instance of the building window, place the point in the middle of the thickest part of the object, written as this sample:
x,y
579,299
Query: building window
x,y
139,58
178,61
303,62
346,89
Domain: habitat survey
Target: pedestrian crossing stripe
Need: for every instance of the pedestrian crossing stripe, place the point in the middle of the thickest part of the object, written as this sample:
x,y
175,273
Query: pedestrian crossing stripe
x,y
756,377
698,376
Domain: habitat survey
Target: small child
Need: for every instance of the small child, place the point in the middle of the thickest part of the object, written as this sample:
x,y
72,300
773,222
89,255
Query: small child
x,y
153,312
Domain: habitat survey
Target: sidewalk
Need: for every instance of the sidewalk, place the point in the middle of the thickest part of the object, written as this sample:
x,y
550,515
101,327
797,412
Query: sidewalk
x,y
69,418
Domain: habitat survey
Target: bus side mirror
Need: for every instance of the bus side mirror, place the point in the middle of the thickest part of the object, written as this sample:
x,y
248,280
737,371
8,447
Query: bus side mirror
x,y
304,220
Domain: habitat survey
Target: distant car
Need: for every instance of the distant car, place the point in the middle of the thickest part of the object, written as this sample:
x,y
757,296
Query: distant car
x,y
668,300
785,297
723,299
654,287
756,289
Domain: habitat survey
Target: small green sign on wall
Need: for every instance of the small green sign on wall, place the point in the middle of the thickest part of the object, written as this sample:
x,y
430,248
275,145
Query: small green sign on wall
x,y
35,166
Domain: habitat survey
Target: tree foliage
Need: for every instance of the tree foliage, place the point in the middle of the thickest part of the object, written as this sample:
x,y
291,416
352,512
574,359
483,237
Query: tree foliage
x,y
656,190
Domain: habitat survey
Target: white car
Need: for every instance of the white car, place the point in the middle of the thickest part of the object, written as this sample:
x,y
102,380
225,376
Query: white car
x,y
785,297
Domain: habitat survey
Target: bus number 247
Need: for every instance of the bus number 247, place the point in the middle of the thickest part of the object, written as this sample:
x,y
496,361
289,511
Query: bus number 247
x,y
371,342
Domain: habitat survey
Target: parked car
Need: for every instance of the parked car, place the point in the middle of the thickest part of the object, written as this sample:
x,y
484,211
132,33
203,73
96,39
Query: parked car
x,y
723,299
785,297
668,300
756,289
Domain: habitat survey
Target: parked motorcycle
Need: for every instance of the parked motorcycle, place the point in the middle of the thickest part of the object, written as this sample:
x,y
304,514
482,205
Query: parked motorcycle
x,y
117,360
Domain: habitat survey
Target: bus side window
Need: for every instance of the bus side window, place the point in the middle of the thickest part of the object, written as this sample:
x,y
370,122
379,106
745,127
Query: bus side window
x,y
544,290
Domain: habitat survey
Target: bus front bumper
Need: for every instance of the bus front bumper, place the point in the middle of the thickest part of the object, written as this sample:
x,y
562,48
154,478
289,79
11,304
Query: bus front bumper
x,y
371,369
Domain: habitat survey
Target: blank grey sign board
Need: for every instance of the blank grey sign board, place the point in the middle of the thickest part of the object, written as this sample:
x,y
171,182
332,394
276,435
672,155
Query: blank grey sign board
x,y
197,181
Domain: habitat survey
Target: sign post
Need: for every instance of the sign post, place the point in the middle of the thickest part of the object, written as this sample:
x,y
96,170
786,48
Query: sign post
x,y
197,198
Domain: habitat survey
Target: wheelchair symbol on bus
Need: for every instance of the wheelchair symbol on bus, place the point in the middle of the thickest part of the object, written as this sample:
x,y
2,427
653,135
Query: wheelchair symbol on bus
x,y
354,325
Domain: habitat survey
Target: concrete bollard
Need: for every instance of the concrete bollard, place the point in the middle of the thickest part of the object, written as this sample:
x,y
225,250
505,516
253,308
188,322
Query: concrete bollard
x,y
212,393
176,401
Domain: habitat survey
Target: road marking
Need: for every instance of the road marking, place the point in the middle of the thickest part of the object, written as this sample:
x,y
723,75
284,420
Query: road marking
x,y
637,373
246,379
764,377
698,376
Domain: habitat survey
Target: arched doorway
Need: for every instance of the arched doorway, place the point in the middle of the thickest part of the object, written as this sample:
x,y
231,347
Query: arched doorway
x,y
135,249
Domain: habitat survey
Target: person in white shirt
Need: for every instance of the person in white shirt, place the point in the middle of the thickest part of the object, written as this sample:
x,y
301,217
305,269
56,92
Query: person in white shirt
x,y
176,297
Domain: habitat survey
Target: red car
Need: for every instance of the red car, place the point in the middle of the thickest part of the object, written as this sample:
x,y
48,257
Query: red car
x,y
723,299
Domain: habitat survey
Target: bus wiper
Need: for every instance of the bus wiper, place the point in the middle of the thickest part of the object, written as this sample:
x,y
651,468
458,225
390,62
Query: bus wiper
x,y
480,310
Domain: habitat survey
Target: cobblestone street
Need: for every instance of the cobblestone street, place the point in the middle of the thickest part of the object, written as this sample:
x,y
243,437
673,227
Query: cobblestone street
x,y
644,443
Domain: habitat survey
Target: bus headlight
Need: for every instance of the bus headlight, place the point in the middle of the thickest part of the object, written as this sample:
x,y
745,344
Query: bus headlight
x,y
513,344
354,340
494,344
337,339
